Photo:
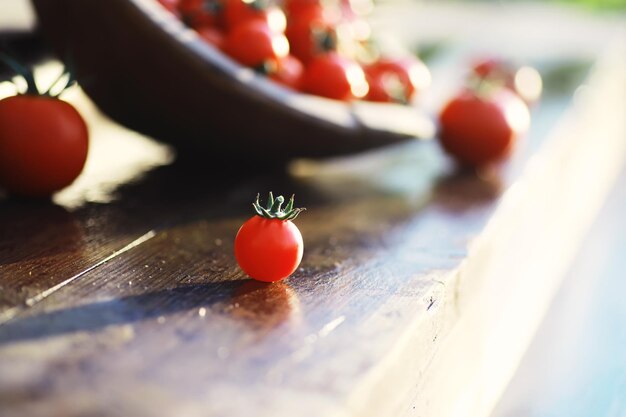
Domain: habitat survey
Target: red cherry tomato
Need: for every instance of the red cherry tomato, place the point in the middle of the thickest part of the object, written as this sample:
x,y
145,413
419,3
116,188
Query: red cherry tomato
x,y
204,19
187,7
379,89
254,44
43,145
525,81
211,35
289,72
334,76
493,67
311,32
268,248
385,87
199,13
397,79
171,5
237,12
477,130
295,7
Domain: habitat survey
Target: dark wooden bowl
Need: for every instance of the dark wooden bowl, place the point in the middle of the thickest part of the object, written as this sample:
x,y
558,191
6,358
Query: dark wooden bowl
x,y
148,71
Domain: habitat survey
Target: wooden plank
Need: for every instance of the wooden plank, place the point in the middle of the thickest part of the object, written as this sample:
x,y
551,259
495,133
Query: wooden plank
x,y
171,326
179,301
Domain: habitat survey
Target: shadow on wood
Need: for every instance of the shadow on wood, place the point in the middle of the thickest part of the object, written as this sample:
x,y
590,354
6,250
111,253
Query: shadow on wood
x,y
255,304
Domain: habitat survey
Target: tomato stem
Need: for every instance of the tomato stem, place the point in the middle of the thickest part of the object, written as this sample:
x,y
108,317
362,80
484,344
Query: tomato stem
x,y
274,209
22,71
28,76
484,87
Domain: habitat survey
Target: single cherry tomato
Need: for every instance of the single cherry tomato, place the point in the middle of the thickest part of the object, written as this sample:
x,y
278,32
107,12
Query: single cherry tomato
x,y
43,144
493,67
477,129
255,45
524,81
211,35
289,72
334,76
311,32
269,247
237,12
399,79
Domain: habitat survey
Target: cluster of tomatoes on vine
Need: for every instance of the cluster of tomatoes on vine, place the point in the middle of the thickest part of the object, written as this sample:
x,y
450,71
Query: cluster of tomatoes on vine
x,y
320,47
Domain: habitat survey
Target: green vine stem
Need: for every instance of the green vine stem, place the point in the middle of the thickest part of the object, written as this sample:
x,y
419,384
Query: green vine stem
x,y
31,85
274,208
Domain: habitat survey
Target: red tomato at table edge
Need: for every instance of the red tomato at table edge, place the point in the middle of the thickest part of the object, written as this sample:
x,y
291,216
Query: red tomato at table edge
x,y
43,144
269,246
480,129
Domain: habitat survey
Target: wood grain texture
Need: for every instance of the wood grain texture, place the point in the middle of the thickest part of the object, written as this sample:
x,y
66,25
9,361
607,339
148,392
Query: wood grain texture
x,y
394,305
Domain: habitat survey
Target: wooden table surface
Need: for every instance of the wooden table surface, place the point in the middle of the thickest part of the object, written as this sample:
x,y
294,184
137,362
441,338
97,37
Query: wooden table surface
x,y
121,297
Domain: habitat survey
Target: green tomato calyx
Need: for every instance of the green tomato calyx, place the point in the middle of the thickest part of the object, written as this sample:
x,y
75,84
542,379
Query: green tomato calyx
x,y
62,83
274,209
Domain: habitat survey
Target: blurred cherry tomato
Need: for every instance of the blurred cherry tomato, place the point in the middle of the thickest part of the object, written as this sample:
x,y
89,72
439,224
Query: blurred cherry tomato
x,y
384,87
334,76
43,145
311,32
211,35
201,13
171,5
477,129
255,45
397,79
295,7
237,12
187,7
524,81
493,67
289,72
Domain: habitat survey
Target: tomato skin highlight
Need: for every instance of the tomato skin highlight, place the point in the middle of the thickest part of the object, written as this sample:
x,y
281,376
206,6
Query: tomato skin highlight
x,y
479,130
43,145
268,250
289,72
237,12
311,32
411,73
253,44
377,91
333,76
